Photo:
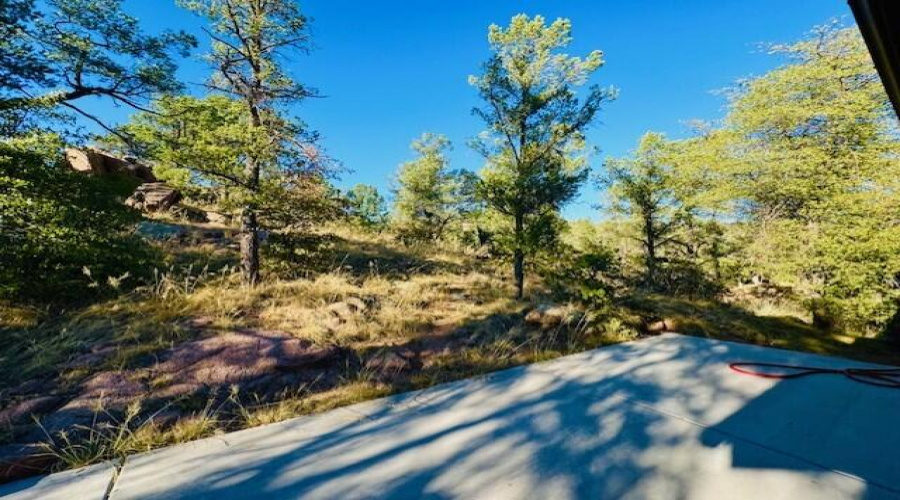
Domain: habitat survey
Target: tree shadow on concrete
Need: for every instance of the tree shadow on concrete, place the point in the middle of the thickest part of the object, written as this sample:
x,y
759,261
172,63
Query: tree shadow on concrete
x,y
623,422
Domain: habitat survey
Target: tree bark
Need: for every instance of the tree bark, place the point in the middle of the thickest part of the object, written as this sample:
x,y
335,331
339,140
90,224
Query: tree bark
x,y
650,244
249,221
519,259
249,247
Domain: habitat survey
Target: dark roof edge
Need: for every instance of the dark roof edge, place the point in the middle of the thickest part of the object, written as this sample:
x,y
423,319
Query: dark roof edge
x,y
879,21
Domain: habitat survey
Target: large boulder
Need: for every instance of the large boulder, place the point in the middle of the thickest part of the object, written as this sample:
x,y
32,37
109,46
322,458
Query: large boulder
x,y
154,197
95,161
85,161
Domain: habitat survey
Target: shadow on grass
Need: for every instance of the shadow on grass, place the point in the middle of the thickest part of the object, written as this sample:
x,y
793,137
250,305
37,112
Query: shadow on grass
x,y
713,319
372,257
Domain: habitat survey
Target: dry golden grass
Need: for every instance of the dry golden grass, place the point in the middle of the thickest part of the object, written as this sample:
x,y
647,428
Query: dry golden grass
x,y
366,294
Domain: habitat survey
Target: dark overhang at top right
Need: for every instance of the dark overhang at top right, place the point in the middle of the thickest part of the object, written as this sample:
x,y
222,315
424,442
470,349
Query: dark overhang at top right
x,y
879,21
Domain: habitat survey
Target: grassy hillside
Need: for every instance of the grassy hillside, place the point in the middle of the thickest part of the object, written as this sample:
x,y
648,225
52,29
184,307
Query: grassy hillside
x,y
193,352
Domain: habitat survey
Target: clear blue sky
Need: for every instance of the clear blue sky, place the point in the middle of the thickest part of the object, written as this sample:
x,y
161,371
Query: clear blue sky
x,y
392,69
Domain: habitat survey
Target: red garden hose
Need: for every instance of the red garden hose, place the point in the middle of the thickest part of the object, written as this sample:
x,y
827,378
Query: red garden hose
x,y
882,377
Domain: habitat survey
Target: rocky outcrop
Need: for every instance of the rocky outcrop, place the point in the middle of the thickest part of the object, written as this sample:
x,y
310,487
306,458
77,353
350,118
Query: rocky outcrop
x,y
95,161
24,412
154,197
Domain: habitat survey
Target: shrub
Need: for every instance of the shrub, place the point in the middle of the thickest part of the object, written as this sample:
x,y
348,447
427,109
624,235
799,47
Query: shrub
x,y
590,275
63,234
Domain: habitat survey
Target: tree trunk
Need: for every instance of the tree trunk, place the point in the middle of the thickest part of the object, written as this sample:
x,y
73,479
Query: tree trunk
x,y
249,221
519,259
249,247
892,329
650,244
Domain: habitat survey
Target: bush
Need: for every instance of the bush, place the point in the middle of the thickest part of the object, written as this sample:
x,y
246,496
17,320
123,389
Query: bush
x,y
681,277
590,276
63,234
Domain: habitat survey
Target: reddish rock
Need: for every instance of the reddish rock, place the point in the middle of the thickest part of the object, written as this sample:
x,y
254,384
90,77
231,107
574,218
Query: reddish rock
x,y
24,411
95,161
153,197
198,323
104,392
85,161
33,386
93,358
549,316
662,326
250,359
237,358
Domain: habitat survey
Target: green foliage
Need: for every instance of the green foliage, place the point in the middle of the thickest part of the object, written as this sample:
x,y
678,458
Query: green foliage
x,y
590,273
643,190
196,144
199,144
19,63
366,206
251,39
71,49
818,160
63,236
430,197
534,143
798,186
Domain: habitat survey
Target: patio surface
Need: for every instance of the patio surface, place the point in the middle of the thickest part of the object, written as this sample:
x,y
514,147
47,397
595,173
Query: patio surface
x,y
661,418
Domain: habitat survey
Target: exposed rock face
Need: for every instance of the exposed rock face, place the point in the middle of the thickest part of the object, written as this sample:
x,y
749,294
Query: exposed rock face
x,y
21,413
662,326
238,358
248,358
153,197
98,162
260,361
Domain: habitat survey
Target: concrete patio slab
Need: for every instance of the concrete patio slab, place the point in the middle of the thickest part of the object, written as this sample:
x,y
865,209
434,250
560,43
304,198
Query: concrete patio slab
x,y
88,483
661,418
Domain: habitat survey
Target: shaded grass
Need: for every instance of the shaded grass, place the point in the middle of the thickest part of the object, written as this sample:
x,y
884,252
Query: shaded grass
x,y
367,294
712,319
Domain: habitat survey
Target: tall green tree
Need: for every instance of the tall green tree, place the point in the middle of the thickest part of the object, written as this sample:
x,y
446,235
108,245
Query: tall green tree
x,y
536,125
198,145
819,175
643,188
429,195
250,41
